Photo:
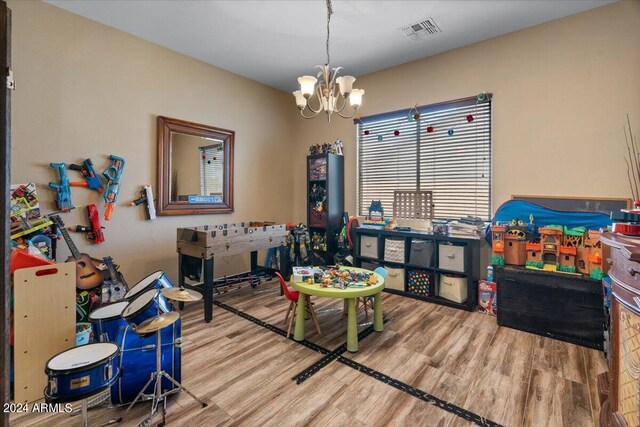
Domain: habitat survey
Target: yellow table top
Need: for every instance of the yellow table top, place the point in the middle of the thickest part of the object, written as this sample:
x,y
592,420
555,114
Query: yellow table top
x,y
317,290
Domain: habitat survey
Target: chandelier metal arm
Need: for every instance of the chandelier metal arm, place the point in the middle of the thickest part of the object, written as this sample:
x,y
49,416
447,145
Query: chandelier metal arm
x,y
355,110
308,117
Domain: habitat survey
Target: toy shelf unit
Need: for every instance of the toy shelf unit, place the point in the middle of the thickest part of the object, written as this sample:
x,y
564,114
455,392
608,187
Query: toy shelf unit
x,y
429,267
325,203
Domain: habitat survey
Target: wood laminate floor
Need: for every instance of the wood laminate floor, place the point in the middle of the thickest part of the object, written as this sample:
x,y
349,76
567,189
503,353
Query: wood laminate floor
x,y
243,371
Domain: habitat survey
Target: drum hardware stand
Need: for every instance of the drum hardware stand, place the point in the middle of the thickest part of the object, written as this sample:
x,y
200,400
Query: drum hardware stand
x,y
99,400
158,396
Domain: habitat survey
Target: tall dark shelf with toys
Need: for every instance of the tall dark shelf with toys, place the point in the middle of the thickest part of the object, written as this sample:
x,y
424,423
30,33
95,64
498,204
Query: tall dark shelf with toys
x,y
325,203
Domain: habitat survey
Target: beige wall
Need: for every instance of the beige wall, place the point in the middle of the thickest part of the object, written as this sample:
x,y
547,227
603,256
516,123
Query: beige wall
x,y
561,91
87,90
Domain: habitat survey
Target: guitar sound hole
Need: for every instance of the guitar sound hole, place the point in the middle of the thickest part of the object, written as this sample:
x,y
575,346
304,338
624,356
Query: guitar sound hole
x,y
82,264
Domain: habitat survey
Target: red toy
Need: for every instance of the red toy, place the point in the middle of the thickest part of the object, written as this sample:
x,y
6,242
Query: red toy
x,y
94,231
487,297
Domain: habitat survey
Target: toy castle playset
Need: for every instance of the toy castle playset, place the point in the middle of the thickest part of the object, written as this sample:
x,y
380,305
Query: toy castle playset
x,y
567,250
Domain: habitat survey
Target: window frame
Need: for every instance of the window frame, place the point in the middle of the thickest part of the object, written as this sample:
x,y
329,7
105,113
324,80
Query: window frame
x,y
361,205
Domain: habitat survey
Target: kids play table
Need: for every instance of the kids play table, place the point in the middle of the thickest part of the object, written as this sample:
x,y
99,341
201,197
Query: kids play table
x,y
348,294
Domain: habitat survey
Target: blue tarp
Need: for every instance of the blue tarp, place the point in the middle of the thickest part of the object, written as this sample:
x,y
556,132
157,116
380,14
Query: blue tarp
x,y
519,209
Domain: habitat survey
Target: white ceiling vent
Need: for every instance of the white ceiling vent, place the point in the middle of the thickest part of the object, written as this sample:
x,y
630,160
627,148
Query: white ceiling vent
x,y
421,29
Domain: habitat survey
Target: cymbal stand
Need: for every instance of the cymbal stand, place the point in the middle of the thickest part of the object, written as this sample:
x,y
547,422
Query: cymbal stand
x,y
158,395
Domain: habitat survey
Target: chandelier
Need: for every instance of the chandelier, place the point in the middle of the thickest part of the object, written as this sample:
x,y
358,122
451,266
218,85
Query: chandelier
x,y
332,92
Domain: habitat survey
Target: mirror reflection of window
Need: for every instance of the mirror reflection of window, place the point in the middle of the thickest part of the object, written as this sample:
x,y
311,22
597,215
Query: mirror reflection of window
x,y
211,169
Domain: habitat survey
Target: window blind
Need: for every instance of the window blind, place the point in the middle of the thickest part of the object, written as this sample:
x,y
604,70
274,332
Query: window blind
x,y
211,169
456,168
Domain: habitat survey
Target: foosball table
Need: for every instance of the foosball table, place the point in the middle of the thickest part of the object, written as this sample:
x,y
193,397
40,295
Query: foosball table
x,y
205,243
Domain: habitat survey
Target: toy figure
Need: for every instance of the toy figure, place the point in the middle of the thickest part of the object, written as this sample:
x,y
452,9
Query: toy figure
x,y
339,147
314,150
326,148
376,208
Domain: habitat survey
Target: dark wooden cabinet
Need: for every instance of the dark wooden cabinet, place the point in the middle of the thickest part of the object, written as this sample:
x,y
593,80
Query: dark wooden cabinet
x,y
620,387
449,256
561,306
325,175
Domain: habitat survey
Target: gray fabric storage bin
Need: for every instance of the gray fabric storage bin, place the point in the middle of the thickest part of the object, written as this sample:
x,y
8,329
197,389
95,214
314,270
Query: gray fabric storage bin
x,y
421,253
369,246
451,257
369,265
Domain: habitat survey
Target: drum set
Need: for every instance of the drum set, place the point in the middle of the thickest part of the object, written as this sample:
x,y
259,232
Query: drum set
x,y
123,359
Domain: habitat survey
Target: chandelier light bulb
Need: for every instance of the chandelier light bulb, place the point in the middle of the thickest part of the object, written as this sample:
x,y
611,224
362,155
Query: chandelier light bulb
x,y
301,101
307,85
345,83
356,97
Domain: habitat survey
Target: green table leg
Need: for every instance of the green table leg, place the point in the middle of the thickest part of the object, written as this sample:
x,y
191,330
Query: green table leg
x,y
378,323
352,326
298,334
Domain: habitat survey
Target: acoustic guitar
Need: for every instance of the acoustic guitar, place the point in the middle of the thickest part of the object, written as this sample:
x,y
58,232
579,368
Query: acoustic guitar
x,y
88,276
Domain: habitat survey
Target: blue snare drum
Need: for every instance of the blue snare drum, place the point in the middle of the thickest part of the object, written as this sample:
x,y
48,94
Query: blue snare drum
x,y
145,306
137,362
107,320
153,281
81,372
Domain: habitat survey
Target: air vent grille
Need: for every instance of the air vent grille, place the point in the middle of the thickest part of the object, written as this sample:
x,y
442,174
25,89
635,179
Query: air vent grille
x,y
421,29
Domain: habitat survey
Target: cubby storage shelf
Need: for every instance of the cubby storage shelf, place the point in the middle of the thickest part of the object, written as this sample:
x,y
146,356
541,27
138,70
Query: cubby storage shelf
x,y
326,171
470,264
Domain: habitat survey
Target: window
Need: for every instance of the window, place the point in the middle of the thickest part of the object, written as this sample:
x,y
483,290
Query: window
x,y
447,151
211,170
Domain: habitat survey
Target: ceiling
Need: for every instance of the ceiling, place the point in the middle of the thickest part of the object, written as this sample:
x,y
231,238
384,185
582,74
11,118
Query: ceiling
x,y
274,42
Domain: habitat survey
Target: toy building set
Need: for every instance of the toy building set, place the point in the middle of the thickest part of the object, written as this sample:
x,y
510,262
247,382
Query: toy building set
x,y
558,248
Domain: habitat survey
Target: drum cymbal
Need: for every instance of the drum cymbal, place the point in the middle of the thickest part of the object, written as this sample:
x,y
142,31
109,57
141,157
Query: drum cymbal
x,y
158,322
183,295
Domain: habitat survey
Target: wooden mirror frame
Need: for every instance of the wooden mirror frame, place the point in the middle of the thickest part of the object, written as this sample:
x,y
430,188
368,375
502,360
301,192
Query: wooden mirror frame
x,y
166,206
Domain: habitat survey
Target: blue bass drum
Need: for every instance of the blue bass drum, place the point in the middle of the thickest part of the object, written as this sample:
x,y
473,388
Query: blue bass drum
x,y
156,280
137,362
107,320
145,306
81,372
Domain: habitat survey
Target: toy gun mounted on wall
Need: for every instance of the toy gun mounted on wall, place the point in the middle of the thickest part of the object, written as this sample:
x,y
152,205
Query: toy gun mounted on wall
x,y
63,196
146,197
92,179
113,174
94,231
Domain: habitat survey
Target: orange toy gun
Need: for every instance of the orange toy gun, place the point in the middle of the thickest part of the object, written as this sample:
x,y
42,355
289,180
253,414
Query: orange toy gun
x,y
113,174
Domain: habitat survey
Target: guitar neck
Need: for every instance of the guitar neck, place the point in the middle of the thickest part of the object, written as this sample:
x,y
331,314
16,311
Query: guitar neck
x,y
72,246
112,269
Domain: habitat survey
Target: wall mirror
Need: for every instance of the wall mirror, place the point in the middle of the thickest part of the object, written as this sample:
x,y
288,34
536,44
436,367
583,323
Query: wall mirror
x,y
195,168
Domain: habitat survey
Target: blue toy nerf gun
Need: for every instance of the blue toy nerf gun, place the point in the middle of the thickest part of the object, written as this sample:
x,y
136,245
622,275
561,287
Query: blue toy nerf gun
x,y
89,173
63,190
113,174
